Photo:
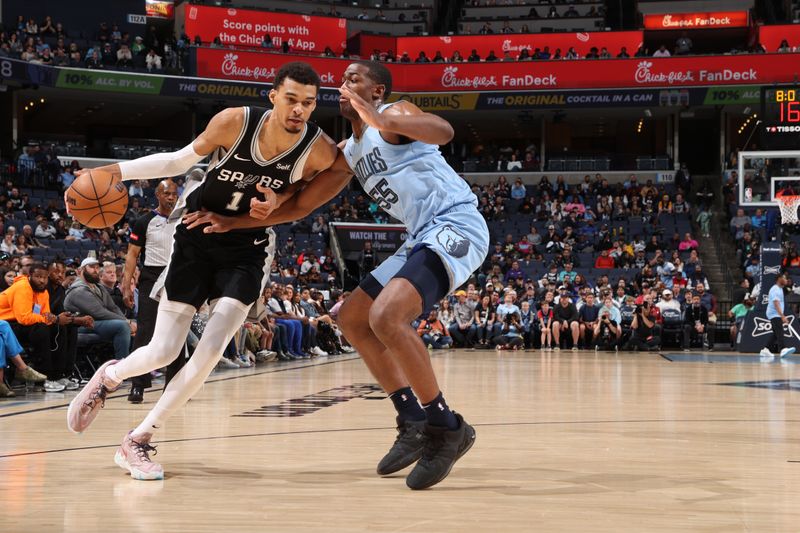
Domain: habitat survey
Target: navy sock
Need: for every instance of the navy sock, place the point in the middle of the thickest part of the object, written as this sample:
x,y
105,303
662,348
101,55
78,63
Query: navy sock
x,y
439,414
406,404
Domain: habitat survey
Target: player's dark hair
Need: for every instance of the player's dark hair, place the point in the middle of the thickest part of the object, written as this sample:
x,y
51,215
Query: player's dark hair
x,y
379,74
298,71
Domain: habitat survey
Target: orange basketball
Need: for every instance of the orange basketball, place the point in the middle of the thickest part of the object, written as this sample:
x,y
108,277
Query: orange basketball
x,y
97,199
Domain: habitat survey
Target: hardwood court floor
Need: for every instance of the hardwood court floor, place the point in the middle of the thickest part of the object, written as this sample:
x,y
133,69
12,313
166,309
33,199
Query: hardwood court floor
x,y
565,442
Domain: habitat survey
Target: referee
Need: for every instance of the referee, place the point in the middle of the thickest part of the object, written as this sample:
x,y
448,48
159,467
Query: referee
x,y
151,238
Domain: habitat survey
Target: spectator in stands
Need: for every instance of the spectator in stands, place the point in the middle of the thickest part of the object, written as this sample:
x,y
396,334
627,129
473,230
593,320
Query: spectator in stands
x,y
784,47
474,57
463,328
738,314
571,53
405,58
124,56
604,261
571,12
668,302
456,57
695,324
608,329
8,245
25,305
107,55
565,320
153,60
438,57
108,280
524,55
31,28
10,348
138,47
507,57
623,53
688,243
486,29
46,27
588,316
422,58
491,56
662,52
553,13
87,297
433,333
643,330
683,46
510,335
484,320
266,41
95,60
44,231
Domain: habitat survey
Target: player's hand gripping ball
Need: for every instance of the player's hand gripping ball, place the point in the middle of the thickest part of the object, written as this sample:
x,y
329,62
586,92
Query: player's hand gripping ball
x,y
97,199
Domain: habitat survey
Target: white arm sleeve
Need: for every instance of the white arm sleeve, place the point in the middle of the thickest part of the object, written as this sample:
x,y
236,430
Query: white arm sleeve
x,y
161,165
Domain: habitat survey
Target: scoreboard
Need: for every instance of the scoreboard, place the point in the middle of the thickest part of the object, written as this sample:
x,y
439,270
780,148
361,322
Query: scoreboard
x,y
780,112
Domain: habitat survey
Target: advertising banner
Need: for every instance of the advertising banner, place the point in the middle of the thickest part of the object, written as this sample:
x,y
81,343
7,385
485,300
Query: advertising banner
x,y
160,9
94,80
696,21
385,238
246,27
524,76
515,43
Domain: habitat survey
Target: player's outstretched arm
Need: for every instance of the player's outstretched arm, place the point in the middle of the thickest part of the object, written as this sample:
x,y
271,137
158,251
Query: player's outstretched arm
x,y
222,130
319,191
403,119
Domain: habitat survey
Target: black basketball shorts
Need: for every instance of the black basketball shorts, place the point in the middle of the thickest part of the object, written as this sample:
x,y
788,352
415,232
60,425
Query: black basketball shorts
x,y
208,266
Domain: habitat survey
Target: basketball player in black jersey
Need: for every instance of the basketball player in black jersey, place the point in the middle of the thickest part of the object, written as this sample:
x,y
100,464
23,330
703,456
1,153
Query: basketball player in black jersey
x,y
276,149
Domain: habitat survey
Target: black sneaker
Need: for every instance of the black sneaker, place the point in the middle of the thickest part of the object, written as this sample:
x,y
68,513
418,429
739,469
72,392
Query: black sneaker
x,y
136,395
407,447
443,447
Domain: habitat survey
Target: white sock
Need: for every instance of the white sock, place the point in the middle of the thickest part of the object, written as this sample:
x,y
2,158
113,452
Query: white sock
x,y
226,318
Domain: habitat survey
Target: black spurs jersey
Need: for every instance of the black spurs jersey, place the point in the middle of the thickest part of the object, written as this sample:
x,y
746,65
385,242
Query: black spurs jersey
x,y
232,176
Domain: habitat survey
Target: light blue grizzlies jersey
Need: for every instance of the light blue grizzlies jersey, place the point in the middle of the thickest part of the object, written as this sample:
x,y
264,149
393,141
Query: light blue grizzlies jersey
x,y
412,182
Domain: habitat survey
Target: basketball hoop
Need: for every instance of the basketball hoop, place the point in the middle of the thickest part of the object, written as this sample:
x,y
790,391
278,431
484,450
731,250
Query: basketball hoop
x,y
788,204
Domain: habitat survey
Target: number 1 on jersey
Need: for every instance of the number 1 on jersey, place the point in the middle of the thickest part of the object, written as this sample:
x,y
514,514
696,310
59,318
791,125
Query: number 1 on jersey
x,y
236,199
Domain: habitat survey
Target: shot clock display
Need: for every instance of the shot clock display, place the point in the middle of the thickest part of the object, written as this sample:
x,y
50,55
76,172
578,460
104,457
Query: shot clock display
x,y
780,112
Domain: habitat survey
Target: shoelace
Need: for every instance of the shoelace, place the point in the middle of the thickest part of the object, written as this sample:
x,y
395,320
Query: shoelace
x,y
142,449
433,443
99,394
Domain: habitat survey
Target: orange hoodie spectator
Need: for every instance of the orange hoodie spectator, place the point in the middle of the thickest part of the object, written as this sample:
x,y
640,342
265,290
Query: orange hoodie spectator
x,y
21,304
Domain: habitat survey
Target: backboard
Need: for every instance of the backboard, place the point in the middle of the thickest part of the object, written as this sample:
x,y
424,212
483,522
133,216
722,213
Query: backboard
x,y
762,174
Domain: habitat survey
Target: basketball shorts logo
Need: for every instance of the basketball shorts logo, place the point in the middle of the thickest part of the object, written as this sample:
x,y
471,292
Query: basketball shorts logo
x,y
453,241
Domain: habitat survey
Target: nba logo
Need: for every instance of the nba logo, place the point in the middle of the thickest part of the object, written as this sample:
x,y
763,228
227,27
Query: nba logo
x,y
748,194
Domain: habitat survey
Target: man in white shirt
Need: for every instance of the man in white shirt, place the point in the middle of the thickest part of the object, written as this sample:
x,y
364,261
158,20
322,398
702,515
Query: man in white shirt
x,y
662,52
668,302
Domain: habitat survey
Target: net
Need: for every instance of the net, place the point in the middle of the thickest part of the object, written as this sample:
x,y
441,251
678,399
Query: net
x,y
788,204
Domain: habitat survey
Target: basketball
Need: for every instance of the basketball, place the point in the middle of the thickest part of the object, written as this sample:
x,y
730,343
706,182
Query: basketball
x,y
97,199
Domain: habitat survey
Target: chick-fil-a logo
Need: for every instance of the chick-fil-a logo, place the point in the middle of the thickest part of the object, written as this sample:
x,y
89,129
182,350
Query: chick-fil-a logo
x,y
451,80
230,68
644,75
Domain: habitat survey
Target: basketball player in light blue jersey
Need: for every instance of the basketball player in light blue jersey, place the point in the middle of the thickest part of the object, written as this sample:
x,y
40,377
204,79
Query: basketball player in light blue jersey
x,y
394,154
